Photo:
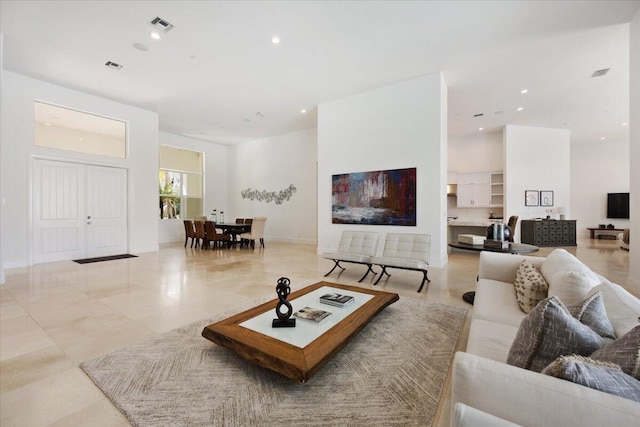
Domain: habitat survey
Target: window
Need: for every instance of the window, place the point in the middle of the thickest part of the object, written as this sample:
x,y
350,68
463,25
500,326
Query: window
x,y
180,183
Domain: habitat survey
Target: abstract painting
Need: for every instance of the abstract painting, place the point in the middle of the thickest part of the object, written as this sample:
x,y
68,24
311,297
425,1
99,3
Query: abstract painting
x,y
385,197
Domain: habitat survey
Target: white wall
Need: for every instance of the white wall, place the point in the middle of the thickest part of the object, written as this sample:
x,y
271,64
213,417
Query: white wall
x,y
597,169
215,181
18,149
480,152
274,164
536,159
2,276
397,126
634,123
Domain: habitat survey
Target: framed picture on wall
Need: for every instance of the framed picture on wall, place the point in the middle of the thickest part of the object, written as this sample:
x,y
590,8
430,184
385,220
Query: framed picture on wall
x,y
531,198
546,198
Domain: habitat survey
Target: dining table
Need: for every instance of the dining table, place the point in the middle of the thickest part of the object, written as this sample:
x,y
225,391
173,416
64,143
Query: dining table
x,y
233,229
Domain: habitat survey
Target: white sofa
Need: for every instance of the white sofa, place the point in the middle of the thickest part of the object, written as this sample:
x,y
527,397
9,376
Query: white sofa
x,y
481,378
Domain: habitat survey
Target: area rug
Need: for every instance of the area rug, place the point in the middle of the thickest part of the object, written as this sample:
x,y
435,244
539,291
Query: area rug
x,y
103,258
392,373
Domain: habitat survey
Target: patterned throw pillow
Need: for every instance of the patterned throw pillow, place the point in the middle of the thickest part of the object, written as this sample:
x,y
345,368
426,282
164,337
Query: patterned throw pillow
x,y
603,376
624,352
548,332
591,312
531,288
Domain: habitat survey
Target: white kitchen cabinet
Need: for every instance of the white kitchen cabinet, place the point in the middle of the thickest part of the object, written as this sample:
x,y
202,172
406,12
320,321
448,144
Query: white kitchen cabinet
x,y
474,190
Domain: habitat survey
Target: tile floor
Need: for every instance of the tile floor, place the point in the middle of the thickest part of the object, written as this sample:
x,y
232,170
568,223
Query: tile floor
x,y
54,316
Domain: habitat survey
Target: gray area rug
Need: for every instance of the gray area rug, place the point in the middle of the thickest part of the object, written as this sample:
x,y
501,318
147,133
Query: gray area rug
x,y
392,373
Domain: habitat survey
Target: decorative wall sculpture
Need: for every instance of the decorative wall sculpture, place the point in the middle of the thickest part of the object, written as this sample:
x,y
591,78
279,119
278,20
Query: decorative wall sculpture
x,y
269,196
378,198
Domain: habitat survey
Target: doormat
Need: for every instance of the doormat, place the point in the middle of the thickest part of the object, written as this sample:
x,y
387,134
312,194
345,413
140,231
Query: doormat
x,y
103,258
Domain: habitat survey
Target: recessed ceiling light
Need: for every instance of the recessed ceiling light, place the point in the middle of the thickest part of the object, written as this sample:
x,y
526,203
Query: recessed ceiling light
x,y
141,47
520,108
303,111
524,91
155,36
625,124
47,124
480,128
275,40
602,138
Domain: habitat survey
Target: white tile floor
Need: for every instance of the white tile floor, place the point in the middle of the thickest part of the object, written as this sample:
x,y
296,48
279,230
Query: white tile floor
x,y
54,316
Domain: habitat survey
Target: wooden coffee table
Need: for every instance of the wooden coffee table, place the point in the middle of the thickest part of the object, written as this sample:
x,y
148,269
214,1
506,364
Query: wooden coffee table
x,y
285,350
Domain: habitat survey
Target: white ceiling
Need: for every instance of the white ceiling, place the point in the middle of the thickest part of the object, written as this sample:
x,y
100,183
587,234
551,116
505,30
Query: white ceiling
x,y
209,75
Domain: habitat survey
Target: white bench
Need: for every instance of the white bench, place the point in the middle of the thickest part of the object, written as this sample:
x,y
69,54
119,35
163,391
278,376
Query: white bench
x,y
406,252
356,247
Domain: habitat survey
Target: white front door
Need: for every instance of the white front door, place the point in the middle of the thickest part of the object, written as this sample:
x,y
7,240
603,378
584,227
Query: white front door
x,y
106,211
79,211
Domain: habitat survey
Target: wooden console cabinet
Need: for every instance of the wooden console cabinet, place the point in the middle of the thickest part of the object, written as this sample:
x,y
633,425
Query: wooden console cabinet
x,y
548,232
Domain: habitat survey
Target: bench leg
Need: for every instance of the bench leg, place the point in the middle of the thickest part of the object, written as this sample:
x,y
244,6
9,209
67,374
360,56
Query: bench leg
x,y
424,279
365,274
383,272
334,267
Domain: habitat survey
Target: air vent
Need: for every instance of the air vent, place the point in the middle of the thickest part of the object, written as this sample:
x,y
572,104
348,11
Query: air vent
x,y
600,73
113,65
161,24
478,115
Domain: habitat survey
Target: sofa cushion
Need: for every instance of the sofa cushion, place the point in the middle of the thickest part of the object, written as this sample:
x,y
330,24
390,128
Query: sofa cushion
x,y
530,286
603,376
568,278
548,332
623,309
591,312
496,301
490,339
624,351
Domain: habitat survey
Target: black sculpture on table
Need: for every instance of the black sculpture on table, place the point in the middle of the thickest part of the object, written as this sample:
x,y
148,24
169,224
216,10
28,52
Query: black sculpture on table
x,y
283,321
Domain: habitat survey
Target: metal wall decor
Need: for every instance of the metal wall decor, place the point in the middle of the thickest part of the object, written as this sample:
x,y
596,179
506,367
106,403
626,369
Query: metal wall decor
x,y
269,196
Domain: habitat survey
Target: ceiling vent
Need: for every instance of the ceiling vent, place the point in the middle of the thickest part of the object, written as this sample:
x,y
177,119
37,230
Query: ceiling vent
x,y
478,115
600,73
161,24
113,65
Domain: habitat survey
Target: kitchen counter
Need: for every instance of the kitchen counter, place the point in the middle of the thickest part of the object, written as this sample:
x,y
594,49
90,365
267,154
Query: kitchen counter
x,y
475,226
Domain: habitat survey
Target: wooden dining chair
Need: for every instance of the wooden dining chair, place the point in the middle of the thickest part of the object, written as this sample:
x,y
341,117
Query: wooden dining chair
x,y
214,236
189,232
200,234
248,220
239,220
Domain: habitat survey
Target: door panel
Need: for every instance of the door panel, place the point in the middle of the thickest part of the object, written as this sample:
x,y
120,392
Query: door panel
x,y
106,211
58,207
65,195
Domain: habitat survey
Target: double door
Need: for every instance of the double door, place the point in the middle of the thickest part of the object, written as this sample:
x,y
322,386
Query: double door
x,y
79,211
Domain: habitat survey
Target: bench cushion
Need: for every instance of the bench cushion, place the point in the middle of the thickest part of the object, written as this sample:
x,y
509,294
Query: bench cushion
x,y
414,247
356,243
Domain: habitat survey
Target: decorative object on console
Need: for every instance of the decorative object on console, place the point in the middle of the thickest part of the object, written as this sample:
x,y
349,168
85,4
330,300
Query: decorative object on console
x,y
283,321
546,198
269,196
385,197
531,198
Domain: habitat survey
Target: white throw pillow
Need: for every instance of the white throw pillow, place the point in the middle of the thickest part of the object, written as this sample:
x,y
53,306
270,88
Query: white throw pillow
x,y
568,278
530,286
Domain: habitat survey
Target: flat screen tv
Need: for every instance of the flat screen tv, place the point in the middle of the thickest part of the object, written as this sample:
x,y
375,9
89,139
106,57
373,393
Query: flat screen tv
x,y
618,205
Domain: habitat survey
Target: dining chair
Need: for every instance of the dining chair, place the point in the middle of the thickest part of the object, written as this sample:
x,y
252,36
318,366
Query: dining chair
x,y
248,220
239,220
257,232
189,232
200,218
513,220
200,234
214,236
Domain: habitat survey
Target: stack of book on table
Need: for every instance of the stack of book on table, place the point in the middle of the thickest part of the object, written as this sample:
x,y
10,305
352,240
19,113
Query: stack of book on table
x,y
337,300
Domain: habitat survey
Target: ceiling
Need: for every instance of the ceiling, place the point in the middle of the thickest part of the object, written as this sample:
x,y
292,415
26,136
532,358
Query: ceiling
x,y
211,74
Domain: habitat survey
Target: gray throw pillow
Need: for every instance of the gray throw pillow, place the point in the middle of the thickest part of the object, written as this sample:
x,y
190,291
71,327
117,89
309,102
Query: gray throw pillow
x,y
591,312
548,332
530,286
603,376
625,352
